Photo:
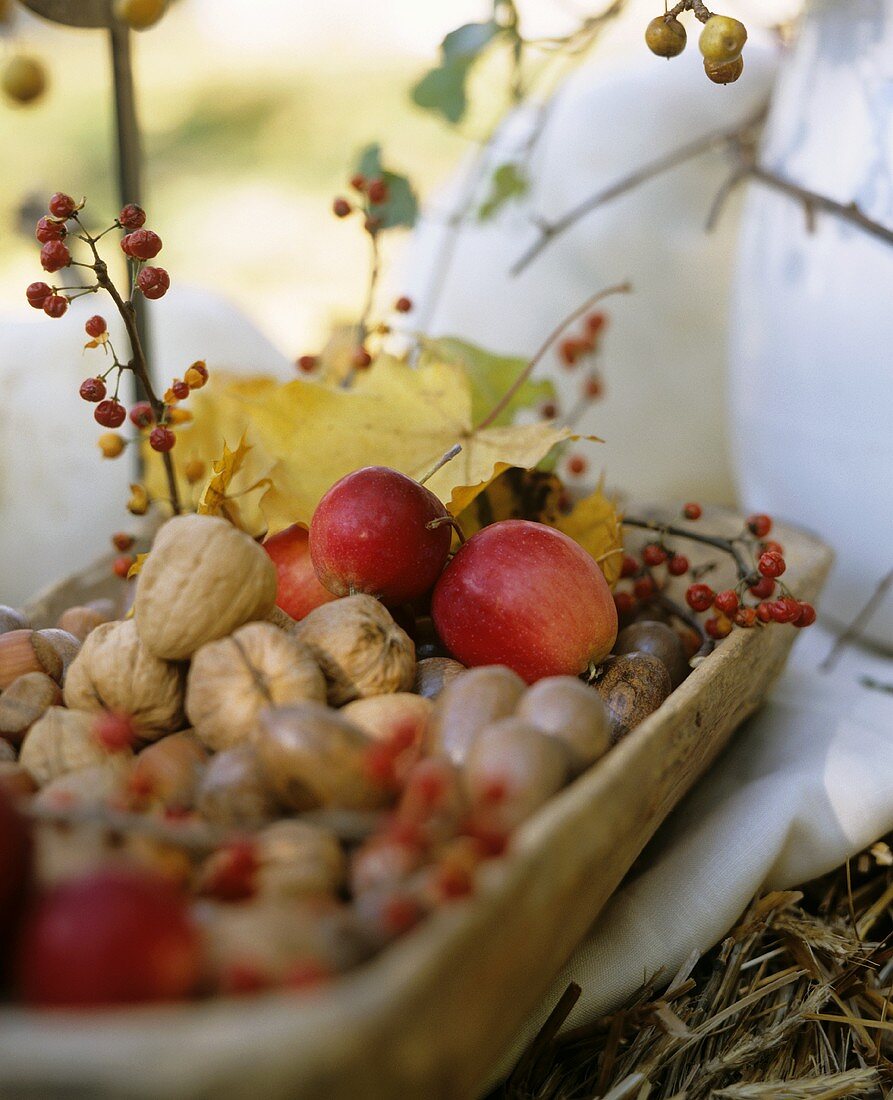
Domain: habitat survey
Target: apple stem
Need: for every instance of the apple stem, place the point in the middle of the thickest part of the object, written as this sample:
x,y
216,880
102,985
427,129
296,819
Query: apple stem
x,y
451,521
441,462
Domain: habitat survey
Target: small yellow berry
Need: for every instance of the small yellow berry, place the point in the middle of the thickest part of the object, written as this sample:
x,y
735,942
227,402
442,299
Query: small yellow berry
x,y
138,504
726,73
665,36
194,470
111,444
722,39
24,79
140,14
176,415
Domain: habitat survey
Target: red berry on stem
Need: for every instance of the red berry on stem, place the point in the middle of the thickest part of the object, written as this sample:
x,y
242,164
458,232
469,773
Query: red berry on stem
x,y
628,566
764,612
110,413
141,415
54,255
49,230
692,510
122,541
593,387
746,616
341,208
358,182
162,439
717,628
113,936
771,544
549,410
132,216
726,602
403,304
370,533
299,589
576,465
308,363
361,358
121,566
95,326
154,282
141,244
678,565
807,615
654,554
55,306
763,589
37,294
377,190
62,205
699,597
92,389
624,602
785,610
571,349
180,389
595,322
524,595
759,525
771,564
644,587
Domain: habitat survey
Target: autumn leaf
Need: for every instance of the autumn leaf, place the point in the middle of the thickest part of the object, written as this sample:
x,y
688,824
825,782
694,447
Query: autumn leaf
x,y
136,567
595,523
214,500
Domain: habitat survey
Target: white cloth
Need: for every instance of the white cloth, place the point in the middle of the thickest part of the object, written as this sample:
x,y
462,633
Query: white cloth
x,y
806,783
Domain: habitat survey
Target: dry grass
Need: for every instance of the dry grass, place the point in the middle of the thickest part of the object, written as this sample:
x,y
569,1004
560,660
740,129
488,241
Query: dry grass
x,y
795,1004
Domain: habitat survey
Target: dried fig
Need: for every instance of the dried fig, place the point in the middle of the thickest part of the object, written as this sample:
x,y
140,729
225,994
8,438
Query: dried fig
x,y
114,671
202,580
359,648
632,686
658,639
63,741
232,680
313,756
166,774
564,707
234,790
433,674
24,701
468,703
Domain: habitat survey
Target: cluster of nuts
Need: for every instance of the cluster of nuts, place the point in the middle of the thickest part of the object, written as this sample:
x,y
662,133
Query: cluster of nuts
x,y
308,790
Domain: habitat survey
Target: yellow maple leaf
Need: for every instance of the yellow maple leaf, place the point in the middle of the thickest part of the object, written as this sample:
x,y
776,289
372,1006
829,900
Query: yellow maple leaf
x,y
595,523
137,566
214,501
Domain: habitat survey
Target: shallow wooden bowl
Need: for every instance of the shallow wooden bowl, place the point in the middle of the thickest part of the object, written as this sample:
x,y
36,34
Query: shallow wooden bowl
x,y
432,1014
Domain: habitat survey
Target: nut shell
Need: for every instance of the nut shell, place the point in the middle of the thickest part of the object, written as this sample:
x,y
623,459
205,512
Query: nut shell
x,y
114,671
166,774
233,679
359,648
203,579
469,703
25,700
79,621
660,641
63,741
632,687
565,708
234,790
12,619
23,651
433,674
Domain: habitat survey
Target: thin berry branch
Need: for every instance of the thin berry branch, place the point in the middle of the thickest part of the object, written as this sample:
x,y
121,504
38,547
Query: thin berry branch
x,y
726,545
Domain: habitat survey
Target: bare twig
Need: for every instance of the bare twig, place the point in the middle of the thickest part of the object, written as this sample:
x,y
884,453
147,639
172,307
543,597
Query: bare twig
x,y
859,622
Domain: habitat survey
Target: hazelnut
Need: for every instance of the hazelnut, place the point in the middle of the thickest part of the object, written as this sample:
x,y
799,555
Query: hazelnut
x,y
65,645
564,707
24,701
11,619
433,674
233,790
468,703
114,671
660,641
63,741
24,651
232,680
632,686
202,580
79,621
166,774
359,648
313,756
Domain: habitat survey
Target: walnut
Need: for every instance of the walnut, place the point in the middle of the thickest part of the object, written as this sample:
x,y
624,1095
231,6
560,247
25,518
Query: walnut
x,y
202,580
115,672
234,790
313,756
24,701
359,647
231,680
63,741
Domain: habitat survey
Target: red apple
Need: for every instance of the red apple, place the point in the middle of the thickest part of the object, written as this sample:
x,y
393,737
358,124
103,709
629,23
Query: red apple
x,y
370,533
524,595
15,862
115,936
299,590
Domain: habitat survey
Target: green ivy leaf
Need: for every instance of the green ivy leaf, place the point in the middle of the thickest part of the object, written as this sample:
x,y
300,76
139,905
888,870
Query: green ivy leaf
x,y
401,206
467,41
442,90
490,374
508,182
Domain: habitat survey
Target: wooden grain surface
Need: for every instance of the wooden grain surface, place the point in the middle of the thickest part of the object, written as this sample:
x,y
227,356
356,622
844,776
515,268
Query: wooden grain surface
x,y
432,1014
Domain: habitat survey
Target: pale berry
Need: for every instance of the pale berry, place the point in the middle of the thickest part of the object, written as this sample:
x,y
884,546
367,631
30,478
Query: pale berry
x,y
154,282
771,564
141,415
194,470
717,628
196,375
55,306
699,596
341,208
141,244
722,39
110,413
111,444
678,565
162,439
62,205
360,358
92,389
49,230
114,730
726,602
726,72
95,326
759,525
132,216
37,294
54,255
692,510
665,36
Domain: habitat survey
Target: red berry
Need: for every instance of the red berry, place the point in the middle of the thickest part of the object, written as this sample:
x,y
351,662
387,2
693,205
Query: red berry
x,y
37,294
654,554
141,244
370,533
308,363
699,596
55,306
92,389
122,541
49,230
403,304
593,388
678,565
110,413
806,617
719,627
361,358
180,389
595,322
549,410
62,205
341,208
95,326
570,350
358,182
746,616
132,216
162,439
371,224
763,589
121,566
692,511
298,589
141,415
54,255
154,282
116,935
726,602
576,465
524,595
764,612
771,544
759,525
629,566
624,602
233,872
785,610
114,731
771,564
643,588
377,190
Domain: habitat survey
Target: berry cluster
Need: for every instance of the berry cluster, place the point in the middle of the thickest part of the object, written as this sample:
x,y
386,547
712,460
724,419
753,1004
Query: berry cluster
x,y
772,600
373,194
721,43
